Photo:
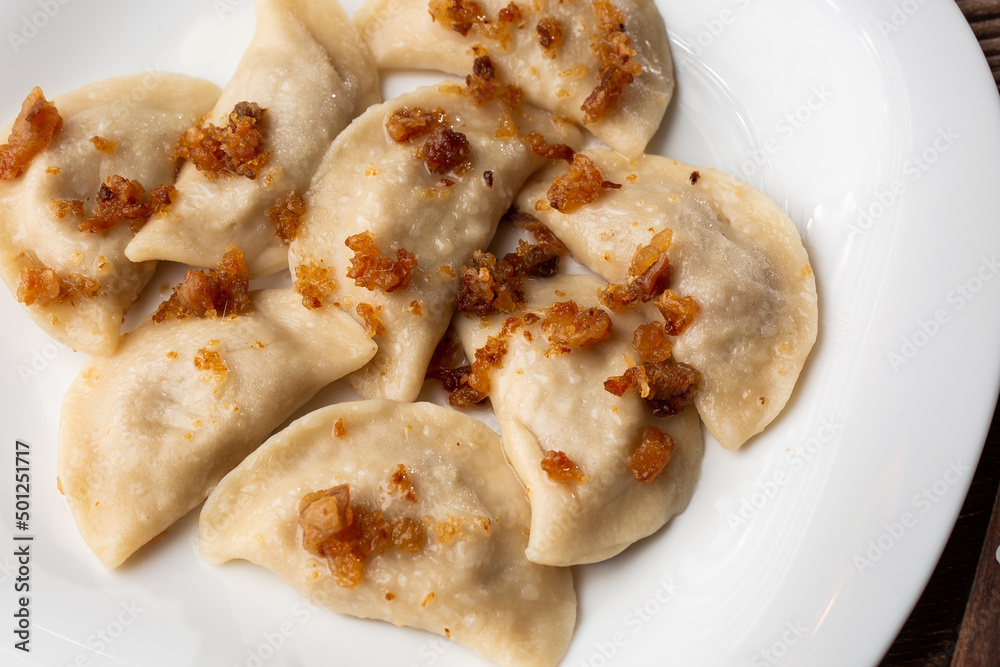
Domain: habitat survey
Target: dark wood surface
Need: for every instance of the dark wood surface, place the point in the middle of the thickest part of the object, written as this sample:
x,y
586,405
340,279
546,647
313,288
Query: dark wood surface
x,y
957,619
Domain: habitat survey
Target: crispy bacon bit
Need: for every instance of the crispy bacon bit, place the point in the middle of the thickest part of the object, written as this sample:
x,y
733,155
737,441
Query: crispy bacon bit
x,y
469,385
543,236
124,200
373,324
405,123
339,430
464,16
608,95
481,84
510,326
33,129
582,184
444,150
694,177
550,34
561,468
210,293
488,286
104,145
510,97
492,285
459,15
400,482
648,275
371,270
618,69
44,286
236,149
544,149
63,207
448,364
678,312
667,387
488,179
511,13
160,198
314,283
285,214
348,536
567,326
488,357
651,342
652,455
212,362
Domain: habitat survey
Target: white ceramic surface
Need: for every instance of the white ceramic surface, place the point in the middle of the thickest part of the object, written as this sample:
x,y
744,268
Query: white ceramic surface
x,y
875,123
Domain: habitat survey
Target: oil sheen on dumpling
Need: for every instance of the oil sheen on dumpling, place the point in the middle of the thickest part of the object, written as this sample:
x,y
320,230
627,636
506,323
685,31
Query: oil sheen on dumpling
x,y
437,480
734,251
147,433
565,56
372,185
556,402
307,68
132,118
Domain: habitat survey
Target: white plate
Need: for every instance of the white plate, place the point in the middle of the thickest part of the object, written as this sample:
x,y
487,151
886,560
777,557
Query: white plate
x,y
873,122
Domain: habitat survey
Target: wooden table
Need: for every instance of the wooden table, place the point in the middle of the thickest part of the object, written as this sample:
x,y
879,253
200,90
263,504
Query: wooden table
x,y
957,619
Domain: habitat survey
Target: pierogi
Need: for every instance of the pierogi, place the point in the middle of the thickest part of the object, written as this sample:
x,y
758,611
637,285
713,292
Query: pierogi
x,y
309,75
146,434
401,196
550,401
460,571
116,127
734,251
578,59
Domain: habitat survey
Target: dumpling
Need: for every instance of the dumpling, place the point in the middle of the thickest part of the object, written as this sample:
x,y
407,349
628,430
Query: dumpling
x,y
606,66
418,518
303,78
112,146
576,447
146,434
734,251
403,198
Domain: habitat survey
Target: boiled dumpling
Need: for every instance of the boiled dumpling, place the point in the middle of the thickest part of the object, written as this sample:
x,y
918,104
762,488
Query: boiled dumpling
x,y
403,198
77,285
576,447
146,434
604,65
304,76
406,513
734,252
